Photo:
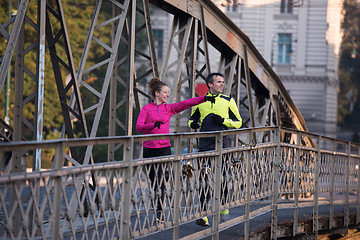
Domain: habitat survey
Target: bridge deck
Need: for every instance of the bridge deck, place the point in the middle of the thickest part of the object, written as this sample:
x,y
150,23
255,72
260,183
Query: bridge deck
x,y
260,225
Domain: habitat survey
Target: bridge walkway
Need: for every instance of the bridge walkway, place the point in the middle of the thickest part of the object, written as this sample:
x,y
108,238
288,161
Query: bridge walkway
x,y
276,182
260,226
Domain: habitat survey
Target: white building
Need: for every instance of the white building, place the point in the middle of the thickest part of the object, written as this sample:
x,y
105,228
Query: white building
x,y
301,41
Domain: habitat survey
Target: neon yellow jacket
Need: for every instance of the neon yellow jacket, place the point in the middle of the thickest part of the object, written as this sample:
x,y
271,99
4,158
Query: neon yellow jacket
x,y
225,107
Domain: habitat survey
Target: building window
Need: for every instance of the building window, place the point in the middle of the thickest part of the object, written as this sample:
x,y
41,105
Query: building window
x,y
284,49
232,7
158,42
286,6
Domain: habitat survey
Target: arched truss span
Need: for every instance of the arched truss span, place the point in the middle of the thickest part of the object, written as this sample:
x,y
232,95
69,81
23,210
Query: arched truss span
x,y
198,39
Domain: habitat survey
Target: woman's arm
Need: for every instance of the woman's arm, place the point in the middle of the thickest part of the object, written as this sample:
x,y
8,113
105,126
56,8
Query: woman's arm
x,y
183,105
141,126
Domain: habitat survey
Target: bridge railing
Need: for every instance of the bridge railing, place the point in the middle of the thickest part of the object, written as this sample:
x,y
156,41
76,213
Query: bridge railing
x,y
119,199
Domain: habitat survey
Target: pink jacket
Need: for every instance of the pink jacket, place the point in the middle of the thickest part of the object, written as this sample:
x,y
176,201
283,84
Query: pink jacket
x,y
152,112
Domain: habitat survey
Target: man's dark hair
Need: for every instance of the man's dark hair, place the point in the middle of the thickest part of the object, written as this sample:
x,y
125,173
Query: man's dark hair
x,y
210,78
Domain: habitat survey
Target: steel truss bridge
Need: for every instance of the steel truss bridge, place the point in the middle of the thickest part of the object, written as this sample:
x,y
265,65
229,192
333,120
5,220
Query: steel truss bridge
x,y
272,158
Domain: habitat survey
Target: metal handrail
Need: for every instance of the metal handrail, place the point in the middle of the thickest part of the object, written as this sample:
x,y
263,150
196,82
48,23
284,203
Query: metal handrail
x,y
62,202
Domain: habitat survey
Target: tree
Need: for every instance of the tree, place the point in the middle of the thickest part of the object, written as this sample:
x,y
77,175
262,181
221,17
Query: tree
x,y
349,71
78,17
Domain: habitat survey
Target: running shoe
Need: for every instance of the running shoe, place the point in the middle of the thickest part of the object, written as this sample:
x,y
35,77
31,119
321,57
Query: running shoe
x,y
224,215
204,222
159,217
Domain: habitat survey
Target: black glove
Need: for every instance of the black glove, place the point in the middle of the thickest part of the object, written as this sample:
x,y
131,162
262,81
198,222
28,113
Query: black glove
x,y
218,119
157,124
194,125
210,98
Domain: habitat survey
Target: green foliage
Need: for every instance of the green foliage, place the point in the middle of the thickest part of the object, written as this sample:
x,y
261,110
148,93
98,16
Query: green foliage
x,y
78,15
349,71
123,73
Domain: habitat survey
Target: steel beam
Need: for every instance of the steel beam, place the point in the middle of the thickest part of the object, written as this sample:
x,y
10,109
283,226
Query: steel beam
x,y
14,36
216,31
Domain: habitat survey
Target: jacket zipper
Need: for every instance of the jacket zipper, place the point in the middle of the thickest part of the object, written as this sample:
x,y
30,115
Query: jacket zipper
x,y
212,104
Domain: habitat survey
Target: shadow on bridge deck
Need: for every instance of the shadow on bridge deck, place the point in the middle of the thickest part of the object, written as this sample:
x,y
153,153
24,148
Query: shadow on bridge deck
x,y
260,226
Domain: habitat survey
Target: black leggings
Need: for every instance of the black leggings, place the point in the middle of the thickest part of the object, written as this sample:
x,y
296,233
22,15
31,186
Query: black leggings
x,y
155,178
206,195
